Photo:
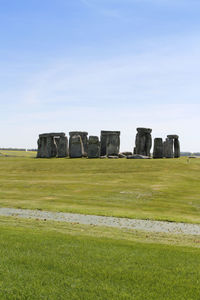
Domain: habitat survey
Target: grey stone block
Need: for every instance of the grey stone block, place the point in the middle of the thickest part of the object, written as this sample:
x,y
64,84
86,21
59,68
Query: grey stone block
x,y
143,141
158,148
76,149
93,147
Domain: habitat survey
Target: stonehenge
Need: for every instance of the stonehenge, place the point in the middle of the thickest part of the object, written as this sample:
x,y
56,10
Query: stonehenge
x,y
177,150
55,144
172,146
158,148
168,148
62,146
76,148
52,145
110,143
143,141
93,147
84,140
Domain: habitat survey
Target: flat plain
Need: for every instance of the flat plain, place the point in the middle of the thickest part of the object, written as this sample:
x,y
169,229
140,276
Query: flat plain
x,y
165,189
57,260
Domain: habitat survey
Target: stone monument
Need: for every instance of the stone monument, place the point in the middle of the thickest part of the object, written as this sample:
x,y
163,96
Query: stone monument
x,y
52,145
158,148
110,143
172,146
93,147
76,149
143,141
84,140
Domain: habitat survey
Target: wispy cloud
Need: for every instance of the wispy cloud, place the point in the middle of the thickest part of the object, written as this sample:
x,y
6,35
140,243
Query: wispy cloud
x,y
104,9
157,88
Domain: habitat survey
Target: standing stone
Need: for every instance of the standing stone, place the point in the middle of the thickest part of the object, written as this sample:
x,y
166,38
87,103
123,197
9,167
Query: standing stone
x,y
40,148
62,146
176,145
76,149
47,145
93,147
84,139
177,151
168,148
143,141
158,148
110,143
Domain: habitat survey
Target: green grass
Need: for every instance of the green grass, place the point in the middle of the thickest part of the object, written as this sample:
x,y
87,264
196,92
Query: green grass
x,y
44,260
165,189
14,153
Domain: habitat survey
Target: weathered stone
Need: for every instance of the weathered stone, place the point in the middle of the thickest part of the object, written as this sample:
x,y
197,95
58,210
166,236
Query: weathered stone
x,y
113,156
76,149
143,141
84,139
52,134
172,136
126,153
172,146
93,147
158,148
110,143
137,156
47,145
177,151
121,155
168,148
62,146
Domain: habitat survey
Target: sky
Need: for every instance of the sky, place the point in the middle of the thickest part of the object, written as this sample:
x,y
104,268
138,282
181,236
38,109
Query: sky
x,y
95,65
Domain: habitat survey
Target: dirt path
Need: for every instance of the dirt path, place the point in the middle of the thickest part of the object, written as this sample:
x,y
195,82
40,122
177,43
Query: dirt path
x,y
145,225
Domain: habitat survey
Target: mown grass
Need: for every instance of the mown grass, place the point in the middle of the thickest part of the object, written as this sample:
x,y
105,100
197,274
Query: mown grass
x,y
165,189
46,260
14,153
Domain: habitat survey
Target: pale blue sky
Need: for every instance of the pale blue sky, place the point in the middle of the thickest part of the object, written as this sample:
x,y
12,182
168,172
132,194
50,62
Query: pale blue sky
x,y
99,64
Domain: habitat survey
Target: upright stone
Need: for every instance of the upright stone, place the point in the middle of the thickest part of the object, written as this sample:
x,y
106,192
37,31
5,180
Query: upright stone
x,y
168,148
104,135
47,144
143,141
93,147
177,151
84,139
158,148
110,143
76,149
175,145
62,146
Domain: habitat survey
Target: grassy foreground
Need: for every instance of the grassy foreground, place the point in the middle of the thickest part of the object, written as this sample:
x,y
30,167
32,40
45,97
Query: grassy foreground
x,y
44,260
147,189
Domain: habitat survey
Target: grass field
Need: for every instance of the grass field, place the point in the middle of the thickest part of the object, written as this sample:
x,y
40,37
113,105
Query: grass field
x,y
147,189
44,260
50,260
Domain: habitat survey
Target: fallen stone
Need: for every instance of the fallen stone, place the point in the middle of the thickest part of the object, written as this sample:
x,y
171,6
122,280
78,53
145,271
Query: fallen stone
x,y
122,155
137,156
126,153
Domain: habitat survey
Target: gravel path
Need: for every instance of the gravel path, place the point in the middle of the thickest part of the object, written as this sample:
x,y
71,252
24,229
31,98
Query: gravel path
x,y
145,225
